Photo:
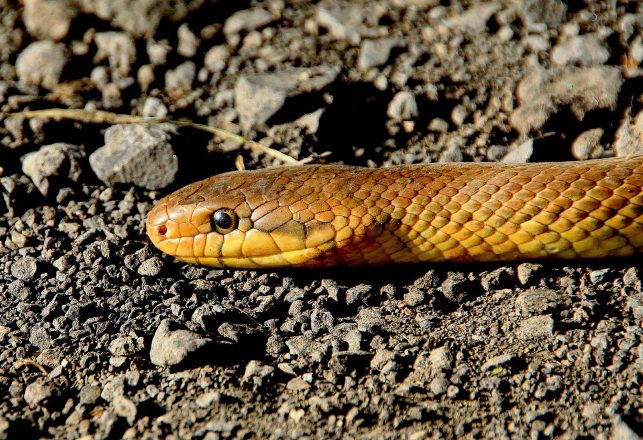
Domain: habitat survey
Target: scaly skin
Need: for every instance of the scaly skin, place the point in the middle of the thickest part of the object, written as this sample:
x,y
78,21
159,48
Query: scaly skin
x,y
313,216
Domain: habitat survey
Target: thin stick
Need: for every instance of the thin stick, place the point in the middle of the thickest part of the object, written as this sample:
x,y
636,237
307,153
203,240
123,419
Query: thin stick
x,y
24,362
105,117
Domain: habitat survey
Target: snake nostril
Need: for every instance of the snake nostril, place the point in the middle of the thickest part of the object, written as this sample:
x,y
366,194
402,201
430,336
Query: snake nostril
x,y
162,230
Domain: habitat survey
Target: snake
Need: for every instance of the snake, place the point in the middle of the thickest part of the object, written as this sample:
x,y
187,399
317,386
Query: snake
x,y
330,215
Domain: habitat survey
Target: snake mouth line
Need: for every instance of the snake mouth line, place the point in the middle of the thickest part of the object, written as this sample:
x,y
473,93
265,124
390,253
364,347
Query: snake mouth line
x,y
282,259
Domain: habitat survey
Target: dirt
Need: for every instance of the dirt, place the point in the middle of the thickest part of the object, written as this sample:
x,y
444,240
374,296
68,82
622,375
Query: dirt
x,y
102,336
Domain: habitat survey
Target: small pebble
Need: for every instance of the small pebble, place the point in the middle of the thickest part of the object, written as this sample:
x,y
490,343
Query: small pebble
x,y
48,19
537,301
216,58
150,267
402,107
89,394
181,78
374,53
537,327
118,49
37,392
584,50
24,268
526,272
171,347
246,20
125,408
188,42
41,64
588,144
52,164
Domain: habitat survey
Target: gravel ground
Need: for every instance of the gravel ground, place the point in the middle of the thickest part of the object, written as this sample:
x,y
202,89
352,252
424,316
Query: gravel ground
x,y
102,336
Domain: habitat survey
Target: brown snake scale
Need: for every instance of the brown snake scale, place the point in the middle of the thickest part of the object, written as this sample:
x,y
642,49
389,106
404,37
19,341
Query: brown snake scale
x,y
321,215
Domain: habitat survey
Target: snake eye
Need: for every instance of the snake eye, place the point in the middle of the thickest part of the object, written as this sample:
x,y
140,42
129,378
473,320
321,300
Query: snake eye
x,y
224,220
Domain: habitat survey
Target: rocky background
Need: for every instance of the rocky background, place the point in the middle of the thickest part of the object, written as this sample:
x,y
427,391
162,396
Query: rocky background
x,y
103,337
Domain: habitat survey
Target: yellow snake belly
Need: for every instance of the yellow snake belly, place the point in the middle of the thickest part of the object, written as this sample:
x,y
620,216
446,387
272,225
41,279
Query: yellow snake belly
x,y
324,215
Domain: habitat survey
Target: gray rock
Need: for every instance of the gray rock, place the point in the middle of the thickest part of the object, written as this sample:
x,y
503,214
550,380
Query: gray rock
x,y
537,327
216,58
52,163
542,93
402,107
124,407
629,137
258,97
150,267
246,20
171,347
48,19
373,53
181,78
520,154
549,12
537,301
37,392
41,64
582,50
137,154
24,268
588,144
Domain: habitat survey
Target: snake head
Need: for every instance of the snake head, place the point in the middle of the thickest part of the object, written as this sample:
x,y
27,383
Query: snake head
x,y
249,219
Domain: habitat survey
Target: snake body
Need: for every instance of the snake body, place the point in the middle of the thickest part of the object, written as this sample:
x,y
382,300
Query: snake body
x,y
323,215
